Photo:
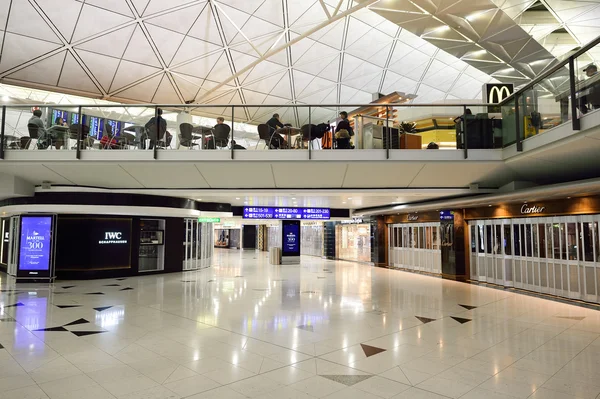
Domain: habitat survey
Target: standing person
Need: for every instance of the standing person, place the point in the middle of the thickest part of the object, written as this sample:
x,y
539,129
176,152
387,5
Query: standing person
x,y
43,136
277,139
590,97
344,124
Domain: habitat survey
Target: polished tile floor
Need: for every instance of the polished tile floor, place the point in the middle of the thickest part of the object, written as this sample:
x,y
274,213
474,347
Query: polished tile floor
x,y
246,329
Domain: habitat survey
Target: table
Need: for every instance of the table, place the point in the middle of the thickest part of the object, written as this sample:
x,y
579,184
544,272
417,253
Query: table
x,y
201,133
11,139
289,132
59,136
140,134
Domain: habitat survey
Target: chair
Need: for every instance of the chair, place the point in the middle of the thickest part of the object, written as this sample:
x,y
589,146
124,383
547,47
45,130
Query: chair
x,y
221,135
86,140
186,137
33,134
343,143
265,135
156,138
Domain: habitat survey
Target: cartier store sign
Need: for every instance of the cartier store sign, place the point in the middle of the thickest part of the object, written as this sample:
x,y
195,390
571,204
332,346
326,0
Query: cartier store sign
x,y
538,208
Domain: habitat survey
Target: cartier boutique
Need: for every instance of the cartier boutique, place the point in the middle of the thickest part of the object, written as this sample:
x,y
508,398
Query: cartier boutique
x,y
550,247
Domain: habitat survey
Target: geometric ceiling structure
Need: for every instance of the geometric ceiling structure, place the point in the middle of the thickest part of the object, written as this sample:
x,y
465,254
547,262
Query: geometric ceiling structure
x,y
242,52
476,31
560,26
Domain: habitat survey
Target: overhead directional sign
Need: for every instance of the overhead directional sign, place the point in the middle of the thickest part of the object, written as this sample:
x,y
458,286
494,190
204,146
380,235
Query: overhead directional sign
x,y
251,212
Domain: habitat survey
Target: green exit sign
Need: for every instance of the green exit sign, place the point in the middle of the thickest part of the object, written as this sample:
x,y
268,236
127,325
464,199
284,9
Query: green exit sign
x,y
209,220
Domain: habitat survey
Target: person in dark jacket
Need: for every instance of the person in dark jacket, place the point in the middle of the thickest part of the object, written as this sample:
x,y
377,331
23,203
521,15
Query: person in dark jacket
x,y
277,140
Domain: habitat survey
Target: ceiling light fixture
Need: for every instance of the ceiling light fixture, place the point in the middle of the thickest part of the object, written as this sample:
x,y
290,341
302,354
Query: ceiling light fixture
x,y
5,98
237,198
349,198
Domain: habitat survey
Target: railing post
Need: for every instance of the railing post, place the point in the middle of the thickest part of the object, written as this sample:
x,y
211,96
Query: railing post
x,y
2,132
232,126
574,117
464,132
79,132
156,121
309,134
387,132
518,127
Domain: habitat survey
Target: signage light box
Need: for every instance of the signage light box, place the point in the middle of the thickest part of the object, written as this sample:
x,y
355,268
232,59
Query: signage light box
x,y
251,212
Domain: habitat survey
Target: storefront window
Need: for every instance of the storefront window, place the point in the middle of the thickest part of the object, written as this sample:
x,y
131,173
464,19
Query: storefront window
x,y
572,240
473,240
406,237
436,237
550,242
481,239
534,237
517,233
543,244
353,242
507,240
488,237
498,240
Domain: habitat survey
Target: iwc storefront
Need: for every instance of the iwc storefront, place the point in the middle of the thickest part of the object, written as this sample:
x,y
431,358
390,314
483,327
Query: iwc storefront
x,y
85,235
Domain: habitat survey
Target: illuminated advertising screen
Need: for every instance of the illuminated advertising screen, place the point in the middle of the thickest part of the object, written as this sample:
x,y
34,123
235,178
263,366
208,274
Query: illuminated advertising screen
x,y
262,212
291,238
35,246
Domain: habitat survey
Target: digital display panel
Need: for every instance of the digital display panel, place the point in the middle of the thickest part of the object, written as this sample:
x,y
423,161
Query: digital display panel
x,y
116,127
35,246
57,113
291,238
93,243
251,212
75,118
96,128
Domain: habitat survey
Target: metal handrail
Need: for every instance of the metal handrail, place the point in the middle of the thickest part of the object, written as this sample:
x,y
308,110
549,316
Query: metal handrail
x,y
408,105
552,70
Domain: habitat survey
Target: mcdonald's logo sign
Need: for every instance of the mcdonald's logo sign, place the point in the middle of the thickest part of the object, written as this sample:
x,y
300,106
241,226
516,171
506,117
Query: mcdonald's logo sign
x,y
496,93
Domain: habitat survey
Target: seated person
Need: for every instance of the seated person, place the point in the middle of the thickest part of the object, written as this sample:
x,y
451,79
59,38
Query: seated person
x,y
344,124
44,137
342,139
236,146
277,140
60,122
108,142
590,97
162,126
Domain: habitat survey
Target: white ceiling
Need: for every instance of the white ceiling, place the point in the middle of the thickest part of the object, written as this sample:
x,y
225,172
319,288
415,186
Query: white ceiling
x,y
180,50
351,199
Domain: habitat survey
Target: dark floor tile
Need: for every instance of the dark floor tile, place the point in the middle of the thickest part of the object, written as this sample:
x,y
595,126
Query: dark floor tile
x,y
67,306
66,287
76,322
347,380
14,305
306,328
460,319
371,350
85,333
468,307
112,285
95,293
100,309
126,289
571,317
52,329
424,320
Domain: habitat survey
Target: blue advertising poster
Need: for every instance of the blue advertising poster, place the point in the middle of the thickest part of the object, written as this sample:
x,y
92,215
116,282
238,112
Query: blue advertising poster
x,y
34,253
291,239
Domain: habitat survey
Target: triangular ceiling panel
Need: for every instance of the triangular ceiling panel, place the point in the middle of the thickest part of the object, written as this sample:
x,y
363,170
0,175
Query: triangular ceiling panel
x,y
166,94
189,86
25,20
62,13
45,71
155,6
139,50
129,72
112,44
74,77
88,23
205,28
140,5
202,67
102,67
144,90
20,49
180,20
192,48
118,6
283,89
266,84
166,41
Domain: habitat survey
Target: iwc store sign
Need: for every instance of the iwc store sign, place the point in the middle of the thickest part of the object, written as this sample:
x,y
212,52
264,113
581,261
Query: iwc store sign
x,y
531,209
113,237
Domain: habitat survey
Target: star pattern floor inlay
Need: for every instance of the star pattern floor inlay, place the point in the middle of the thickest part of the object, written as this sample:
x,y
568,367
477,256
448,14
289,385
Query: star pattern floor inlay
x,y
287,332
